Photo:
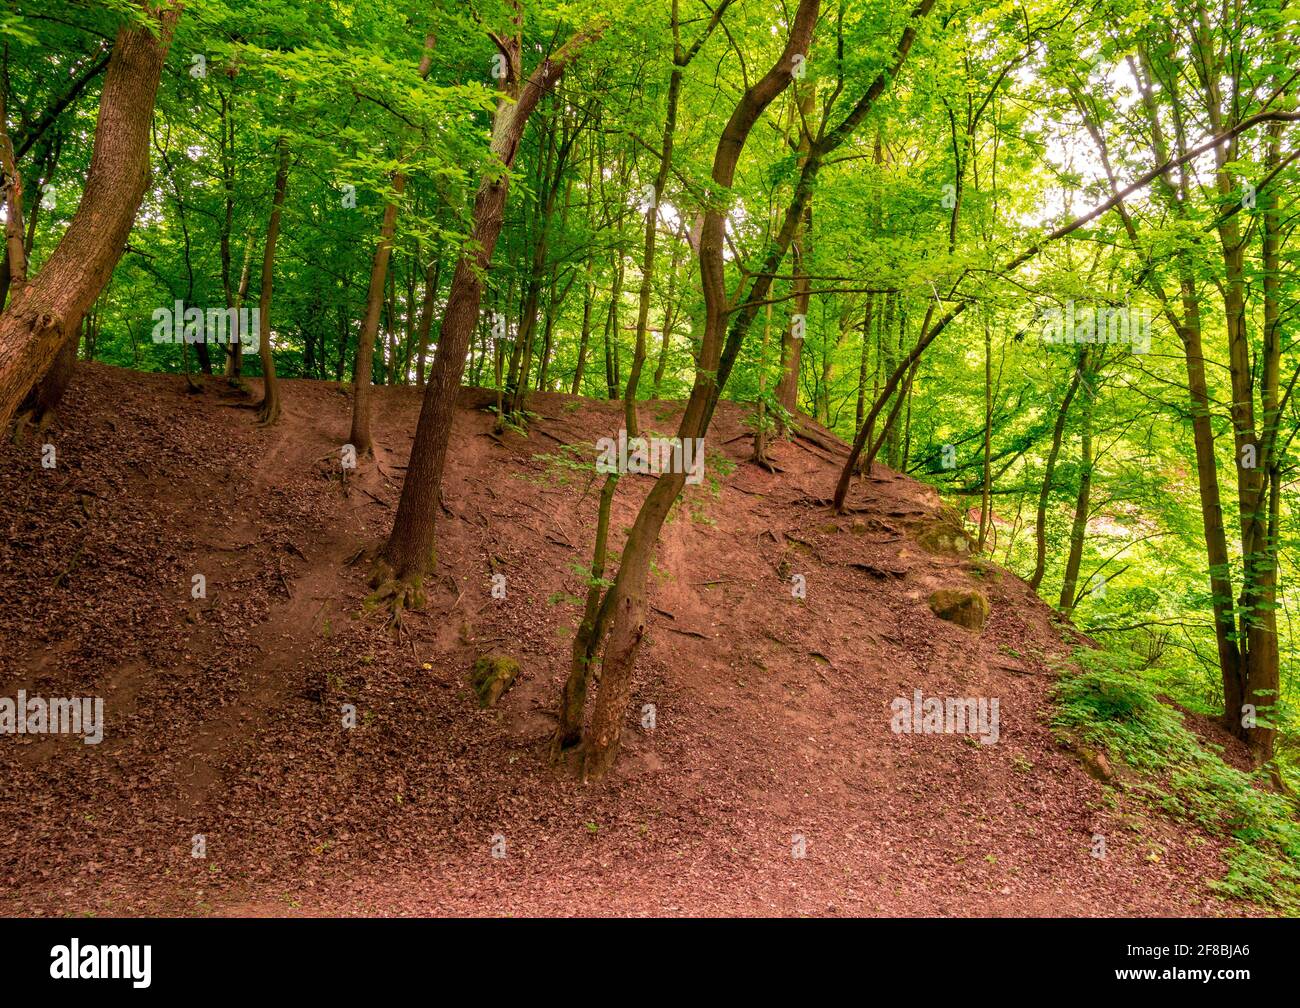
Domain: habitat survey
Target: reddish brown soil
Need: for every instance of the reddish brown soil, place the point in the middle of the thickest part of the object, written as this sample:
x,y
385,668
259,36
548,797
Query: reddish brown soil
x,y
224,715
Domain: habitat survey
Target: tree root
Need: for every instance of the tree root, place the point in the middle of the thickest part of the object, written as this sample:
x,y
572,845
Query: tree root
x,y
268,412
562,749
394,594
42,416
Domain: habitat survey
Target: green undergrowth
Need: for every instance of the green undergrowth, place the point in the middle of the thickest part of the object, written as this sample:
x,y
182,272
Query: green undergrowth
x,y
1162,763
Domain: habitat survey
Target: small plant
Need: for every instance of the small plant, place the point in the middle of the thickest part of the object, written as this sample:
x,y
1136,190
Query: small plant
x,y
1104,703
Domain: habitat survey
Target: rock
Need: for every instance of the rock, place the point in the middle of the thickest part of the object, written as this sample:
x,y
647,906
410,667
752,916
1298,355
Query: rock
x,y
1094,761
943,532
982,569
493,674
965,607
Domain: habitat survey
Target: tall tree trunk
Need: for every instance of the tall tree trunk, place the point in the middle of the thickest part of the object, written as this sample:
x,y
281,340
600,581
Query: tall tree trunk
x,y
787,386
862,363
611,329
1049,472
408,554
652,233
235,357
1263,678
1079,528
670,318
588,292
626,599
986,475
45,315
268,410
363,368
426,317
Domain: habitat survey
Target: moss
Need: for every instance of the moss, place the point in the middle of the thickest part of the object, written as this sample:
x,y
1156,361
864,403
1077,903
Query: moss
x,y
943,533
965,607
492,676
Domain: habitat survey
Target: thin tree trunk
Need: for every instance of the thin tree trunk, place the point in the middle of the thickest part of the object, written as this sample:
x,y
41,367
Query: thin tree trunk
x,y
589,292
363,368
986,489
426,317
1049,470
611,330
235,358
1079,529
408,554
268,410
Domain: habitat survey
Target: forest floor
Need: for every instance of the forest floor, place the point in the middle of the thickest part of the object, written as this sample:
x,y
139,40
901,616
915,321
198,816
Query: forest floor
x,y
772,713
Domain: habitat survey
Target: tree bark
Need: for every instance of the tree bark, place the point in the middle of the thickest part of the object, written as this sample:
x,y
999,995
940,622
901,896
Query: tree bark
x,y
363,368
1079,528
41,319
627,597
408,554
268,410
1049,470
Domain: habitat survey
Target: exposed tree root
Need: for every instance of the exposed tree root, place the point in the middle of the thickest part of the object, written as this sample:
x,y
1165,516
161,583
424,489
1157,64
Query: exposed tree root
x,y
394,594
23,420
268,412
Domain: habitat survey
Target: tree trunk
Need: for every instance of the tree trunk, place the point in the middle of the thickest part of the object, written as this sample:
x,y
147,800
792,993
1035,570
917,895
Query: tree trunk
x,y
235,356
1049,470
46,314
588,292
408,554
268,410
426,317
611,329
363,368
986,474
627,601
862,363
1079,529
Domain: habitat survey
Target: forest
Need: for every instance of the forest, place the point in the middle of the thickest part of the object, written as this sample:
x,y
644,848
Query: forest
x,y
492,418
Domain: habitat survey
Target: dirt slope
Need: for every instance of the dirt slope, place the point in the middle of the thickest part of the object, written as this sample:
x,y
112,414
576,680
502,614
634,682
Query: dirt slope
x,y
224,714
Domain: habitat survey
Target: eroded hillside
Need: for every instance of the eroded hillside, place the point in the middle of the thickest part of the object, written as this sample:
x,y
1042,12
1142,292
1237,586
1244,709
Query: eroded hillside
x,y
772,713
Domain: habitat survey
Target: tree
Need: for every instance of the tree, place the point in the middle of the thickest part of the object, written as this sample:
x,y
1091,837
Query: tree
x,y
408,554
45,312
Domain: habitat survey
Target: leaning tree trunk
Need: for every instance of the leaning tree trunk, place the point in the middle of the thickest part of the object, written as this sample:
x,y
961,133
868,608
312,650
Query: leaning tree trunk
x,y
597,610
46,312
408,554
627,600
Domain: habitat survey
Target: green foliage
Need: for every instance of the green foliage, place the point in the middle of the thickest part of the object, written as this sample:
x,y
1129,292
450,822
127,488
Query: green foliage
x,y
1105,703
